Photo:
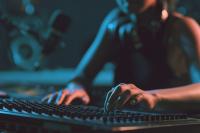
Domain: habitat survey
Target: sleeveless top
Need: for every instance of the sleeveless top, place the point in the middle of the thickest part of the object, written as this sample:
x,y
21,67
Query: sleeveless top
x,y
142,59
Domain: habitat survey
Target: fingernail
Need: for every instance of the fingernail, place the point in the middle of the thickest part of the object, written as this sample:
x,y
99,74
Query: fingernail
x,y
49,101
58,102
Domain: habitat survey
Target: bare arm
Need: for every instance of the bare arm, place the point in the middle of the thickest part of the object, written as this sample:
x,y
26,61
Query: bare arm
x,y
184,98
181,99
100,52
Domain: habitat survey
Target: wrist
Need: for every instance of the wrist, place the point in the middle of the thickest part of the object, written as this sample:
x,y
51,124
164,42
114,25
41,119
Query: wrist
x,y
158,101
81,81
73,84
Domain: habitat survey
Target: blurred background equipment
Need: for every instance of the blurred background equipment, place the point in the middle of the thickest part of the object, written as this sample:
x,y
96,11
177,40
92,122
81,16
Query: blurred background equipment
x,y
27,46
43,20
25,52
59,23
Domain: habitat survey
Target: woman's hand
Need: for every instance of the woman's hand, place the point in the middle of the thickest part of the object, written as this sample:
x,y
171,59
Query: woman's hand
x,y
129,94
72,92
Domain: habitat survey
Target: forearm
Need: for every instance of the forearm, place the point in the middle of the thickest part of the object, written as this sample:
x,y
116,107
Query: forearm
x,y
184,98
95,58
101,51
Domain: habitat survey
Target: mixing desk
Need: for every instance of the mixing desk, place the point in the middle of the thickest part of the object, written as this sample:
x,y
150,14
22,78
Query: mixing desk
x,y
31,116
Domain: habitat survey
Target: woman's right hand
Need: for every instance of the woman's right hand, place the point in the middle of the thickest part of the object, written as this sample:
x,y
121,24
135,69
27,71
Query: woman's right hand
x,y
66,96
130,94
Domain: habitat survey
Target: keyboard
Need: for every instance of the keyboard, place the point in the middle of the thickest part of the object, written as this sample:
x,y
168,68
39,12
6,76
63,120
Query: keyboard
x,y
27,116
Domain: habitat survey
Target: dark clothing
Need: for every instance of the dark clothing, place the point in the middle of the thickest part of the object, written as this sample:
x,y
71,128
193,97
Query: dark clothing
x,y
140,55
143,60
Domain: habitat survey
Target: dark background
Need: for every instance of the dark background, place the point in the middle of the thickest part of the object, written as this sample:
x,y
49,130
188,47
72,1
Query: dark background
x,y
85,15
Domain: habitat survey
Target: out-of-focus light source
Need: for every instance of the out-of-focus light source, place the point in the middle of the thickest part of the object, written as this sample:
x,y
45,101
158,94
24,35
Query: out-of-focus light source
x,y
29,9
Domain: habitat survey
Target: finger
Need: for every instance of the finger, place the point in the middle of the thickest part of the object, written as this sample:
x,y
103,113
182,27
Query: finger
x,y
113,96
106,100
108,95
45,99
136,98
75,95
122,100
146,101
52,98
86,99
142,103
58,96
139,98
64,94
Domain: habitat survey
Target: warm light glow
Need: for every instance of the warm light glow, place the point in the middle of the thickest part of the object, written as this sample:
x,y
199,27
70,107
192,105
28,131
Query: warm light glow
x,y
164,14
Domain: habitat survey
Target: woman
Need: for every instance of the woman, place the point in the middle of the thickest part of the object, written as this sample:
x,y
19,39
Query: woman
x,y
151,46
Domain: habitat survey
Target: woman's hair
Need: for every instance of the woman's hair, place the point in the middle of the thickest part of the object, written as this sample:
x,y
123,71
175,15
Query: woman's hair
x,y
169,5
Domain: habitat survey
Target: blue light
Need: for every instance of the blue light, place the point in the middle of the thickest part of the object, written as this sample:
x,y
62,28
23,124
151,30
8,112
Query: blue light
x,y
29,9
195,73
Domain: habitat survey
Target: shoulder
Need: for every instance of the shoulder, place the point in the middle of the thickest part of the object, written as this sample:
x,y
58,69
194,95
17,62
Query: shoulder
x,y
114,18
180,25
184,24
183,45
186,31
